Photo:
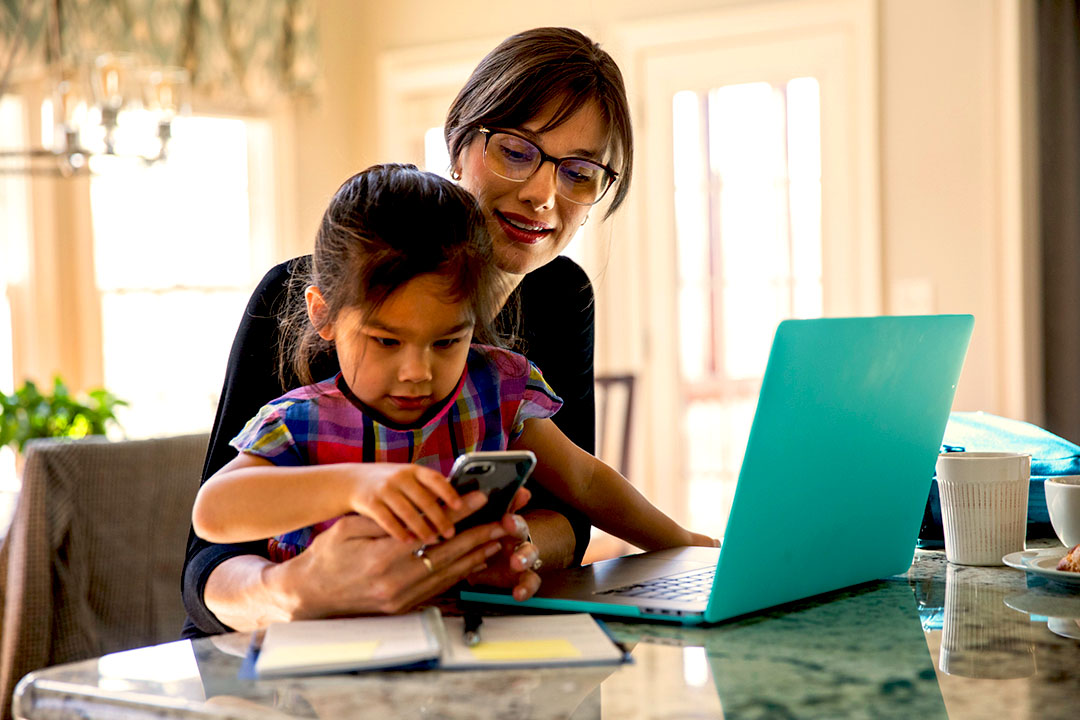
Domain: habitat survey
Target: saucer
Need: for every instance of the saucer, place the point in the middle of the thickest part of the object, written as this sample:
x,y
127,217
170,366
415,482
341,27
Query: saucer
x,y
1065,627
1049,600
1042,562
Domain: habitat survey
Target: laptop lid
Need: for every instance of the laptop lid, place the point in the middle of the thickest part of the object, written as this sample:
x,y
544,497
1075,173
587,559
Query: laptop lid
x,y
835,475
840,457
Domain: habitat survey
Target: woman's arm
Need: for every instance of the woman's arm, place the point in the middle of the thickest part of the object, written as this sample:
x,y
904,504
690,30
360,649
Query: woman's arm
x,y
351,569
609,500
553,537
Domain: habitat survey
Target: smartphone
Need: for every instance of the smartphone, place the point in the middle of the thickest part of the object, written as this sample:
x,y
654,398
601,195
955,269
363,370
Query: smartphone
x,y
496,473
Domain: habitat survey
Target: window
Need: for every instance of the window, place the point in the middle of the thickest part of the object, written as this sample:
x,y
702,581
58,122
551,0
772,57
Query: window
x,y
770,211
436,154
748,227
176,248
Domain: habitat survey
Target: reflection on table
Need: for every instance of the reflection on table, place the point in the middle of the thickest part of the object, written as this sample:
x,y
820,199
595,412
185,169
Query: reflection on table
x,y
938,642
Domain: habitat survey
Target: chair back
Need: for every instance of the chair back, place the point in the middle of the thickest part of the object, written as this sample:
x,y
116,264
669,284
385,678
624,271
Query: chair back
x,y
614,410
91,563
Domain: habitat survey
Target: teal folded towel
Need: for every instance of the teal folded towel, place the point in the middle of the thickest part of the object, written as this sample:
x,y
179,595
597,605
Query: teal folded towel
x,y
983,432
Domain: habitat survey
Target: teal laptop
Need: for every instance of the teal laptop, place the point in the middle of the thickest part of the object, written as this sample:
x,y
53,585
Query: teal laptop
x,y
832,487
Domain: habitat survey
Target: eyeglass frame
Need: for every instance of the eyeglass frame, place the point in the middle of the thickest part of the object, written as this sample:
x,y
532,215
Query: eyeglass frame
x,y
544,157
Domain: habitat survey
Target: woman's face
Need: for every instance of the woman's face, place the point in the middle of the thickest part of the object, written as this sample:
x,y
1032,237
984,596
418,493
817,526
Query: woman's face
x,y
529,222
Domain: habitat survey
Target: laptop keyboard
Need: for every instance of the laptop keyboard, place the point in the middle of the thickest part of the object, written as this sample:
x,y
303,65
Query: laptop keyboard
x,y
689,586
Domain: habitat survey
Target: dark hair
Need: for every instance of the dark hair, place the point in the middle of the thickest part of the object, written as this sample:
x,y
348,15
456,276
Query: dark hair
x,y
384,227
517,80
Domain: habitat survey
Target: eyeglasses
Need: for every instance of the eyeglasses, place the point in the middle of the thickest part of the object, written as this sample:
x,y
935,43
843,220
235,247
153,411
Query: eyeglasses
x,y
512,157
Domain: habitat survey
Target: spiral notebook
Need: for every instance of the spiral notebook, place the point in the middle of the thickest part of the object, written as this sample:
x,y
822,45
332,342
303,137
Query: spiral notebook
x,y
426,639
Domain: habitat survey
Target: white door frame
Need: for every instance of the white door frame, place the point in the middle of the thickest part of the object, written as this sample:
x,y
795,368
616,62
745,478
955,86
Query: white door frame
x,y
837,40
419,75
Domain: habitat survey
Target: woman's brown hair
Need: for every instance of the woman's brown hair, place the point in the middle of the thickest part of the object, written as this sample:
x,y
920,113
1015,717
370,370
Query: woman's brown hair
x,y
384,227
529,71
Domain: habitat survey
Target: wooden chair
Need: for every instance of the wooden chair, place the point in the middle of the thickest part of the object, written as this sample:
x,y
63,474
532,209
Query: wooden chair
x,y
91,563
614,413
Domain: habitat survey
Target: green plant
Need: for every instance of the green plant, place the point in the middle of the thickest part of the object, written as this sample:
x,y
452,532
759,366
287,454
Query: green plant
x,y
29,413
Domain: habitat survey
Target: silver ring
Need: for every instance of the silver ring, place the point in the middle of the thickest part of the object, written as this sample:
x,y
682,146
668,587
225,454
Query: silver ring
x,y
537,563
421,555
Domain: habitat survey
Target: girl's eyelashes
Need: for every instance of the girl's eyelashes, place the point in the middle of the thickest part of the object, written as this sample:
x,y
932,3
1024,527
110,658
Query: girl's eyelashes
x,y
440,344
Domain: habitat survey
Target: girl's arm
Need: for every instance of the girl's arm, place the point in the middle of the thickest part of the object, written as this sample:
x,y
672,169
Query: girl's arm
x,y
252,499
611,502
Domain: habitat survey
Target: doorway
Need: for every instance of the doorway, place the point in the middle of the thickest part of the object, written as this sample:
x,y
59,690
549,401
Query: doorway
x,y
757,202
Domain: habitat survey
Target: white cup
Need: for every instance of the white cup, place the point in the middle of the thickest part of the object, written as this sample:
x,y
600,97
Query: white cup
x,y
1063,504
983,505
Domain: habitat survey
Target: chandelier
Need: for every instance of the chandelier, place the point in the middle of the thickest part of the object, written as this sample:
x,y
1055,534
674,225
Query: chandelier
x,y
111,106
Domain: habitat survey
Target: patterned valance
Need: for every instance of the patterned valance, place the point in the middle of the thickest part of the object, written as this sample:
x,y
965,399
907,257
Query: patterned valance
x,y
238,52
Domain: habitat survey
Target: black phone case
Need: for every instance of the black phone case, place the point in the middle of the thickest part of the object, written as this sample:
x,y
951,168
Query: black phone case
x,y
495,474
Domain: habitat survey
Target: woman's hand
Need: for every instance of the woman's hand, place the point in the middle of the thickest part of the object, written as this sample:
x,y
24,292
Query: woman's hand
x,y
516,565
353,568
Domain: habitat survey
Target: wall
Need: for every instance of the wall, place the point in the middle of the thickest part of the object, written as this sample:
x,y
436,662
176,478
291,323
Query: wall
x,y
955,202
950,188
328,132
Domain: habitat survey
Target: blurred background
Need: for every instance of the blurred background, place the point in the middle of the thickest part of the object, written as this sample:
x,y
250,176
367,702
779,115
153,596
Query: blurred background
x,y
795,158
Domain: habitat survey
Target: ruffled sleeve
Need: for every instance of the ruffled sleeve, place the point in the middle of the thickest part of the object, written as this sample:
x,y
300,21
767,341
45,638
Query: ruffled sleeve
x,y
538,401
267,435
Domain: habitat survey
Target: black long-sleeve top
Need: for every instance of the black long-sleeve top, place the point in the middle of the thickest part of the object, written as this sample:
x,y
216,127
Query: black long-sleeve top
x,y
556,330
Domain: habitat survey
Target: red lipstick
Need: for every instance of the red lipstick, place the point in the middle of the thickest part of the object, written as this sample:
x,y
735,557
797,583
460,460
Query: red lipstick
x,y
521,229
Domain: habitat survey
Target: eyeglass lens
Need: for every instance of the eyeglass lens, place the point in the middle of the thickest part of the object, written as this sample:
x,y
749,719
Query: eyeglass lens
x,y
515,158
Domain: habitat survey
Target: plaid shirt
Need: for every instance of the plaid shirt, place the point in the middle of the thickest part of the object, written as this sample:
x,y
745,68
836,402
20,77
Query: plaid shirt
x,y
324,423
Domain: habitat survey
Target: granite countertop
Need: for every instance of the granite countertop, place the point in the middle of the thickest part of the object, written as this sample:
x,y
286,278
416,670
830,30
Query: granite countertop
x,y
940,641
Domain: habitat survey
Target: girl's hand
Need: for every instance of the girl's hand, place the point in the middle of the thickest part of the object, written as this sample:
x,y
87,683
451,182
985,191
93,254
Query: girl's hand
x,y
703,540
404,500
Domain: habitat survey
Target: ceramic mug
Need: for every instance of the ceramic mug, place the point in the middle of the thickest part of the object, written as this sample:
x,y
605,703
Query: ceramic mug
x,y
1063,504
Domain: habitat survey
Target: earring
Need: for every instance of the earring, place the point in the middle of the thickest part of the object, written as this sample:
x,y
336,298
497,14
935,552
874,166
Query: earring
x,y
585,221
455,175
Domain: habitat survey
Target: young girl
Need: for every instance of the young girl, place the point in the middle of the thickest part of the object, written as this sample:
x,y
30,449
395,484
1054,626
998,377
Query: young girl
x,y
402,283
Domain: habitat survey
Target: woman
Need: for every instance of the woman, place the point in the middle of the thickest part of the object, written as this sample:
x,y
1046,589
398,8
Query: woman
x,y
539,134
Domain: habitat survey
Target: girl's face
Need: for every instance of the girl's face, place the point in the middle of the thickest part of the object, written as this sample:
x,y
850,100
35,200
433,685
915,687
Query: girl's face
x,y
529,222
406,356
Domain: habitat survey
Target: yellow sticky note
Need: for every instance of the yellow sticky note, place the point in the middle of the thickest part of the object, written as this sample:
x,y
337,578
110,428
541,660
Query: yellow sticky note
x,y
550,648
330,653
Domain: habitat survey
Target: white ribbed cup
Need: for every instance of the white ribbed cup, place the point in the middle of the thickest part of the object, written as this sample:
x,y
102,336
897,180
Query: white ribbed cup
x,y
983,505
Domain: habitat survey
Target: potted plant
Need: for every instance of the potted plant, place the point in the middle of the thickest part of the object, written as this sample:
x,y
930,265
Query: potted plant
x,y
29,413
